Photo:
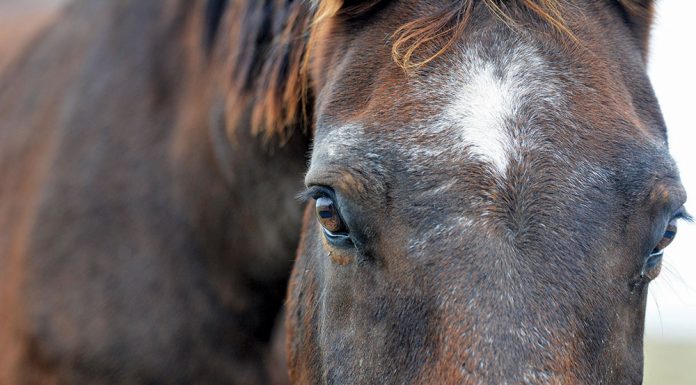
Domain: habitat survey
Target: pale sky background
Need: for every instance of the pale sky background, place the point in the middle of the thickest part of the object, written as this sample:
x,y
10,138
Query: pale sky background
x,y
672,69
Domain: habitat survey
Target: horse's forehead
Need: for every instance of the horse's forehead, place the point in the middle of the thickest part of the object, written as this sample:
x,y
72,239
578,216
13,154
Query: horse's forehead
x,y
472,109
489,97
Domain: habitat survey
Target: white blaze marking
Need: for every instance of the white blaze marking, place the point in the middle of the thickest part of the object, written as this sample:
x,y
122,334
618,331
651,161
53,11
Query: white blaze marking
x,y
488,96
481,109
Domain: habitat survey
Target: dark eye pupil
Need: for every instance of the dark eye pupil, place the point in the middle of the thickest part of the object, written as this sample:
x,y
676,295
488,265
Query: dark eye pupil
x,y
328,216
670,233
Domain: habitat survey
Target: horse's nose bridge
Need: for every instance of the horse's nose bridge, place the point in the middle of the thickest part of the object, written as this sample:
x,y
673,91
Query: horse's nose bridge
x,y
495,351
496,335
491,294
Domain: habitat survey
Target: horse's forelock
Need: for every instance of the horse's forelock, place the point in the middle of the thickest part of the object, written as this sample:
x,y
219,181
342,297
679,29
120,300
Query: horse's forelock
x,y
448,26
281,89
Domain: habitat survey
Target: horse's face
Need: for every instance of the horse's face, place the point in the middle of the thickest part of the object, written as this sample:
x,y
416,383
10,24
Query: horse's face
x,y
491,218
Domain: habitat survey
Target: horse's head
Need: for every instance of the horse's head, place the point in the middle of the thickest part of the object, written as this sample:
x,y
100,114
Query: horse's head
x,y
489,207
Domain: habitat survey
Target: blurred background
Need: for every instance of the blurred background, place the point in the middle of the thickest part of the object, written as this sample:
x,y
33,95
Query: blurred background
x,y
671,320
670,354
19,19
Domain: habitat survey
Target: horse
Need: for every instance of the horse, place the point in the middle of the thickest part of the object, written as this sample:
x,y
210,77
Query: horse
x,y
488,193
147,233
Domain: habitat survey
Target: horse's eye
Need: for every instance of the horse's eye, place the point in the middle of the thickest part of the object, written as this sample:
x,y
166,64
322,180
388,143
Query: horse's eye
x,y
652,265
667,238
328,216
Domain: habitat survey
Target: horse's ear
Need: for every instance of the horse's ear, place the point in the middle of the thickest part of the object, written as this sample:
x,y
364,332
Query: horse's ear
x,y
638,14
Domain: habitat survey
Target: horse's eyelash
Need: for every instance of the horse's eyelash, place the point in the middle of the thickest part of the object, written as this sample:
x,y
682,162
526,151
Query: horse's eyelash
x,y
312,192
305,196
685,216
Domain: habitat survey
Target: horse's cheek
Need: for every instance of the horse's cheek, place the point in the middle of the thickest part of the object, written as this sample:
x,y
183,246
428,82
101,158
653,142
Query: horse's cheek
x,y
301,317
